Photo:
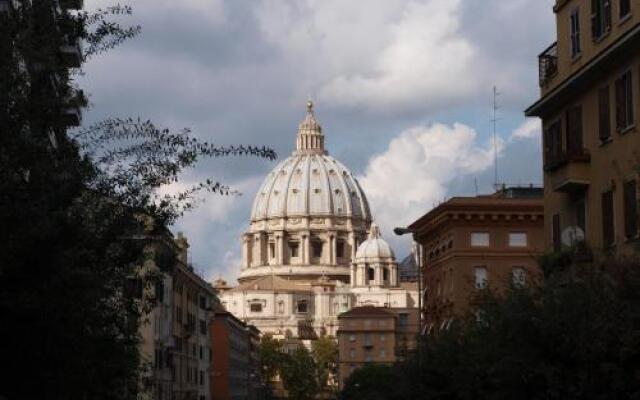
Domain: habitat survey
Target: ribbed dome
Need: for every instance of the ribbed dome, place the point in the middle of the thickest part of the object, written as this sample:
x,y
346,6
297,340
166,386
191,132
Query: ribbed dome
x,y
374,248
310,182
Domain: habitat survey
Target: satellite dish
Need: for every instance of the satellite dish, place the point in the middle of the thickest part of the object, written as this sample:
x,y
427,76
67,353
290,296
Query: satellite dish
x,y
572,235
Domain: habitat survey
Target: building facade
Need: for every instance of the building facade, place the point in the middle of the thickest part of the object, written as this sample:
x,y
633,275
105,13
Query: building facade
x,y
175,344
374,335
589,106
234,370
471,242
311,251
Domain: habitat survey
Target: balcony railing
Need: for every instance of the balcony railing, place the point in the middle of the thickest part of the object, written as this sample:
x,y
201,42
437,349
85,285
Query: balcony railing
x,y
71,52
548,64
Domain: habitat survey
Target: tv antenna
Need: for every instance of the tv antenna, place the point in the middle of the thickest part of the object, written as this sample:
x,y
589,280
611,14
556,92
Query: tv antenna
x,y
494,121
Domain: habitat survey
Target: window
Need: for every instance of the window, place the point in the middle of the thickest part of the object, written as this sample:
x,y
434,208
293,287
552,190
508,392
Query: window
x,y
294,248
202,377
201,353
367,339
624,102
385,274
203,302
581,214
518,239
203,327
600,18
574,131
480,239
481,277
518,276
281,307
553,143
302,306
371,274
255,307
604,114
352,337
630,209
382,337
575,33
383,353
159,288
178,313
352,353
608,229
625,8
555,232
316,246
272,250
367,323
340,249
403,319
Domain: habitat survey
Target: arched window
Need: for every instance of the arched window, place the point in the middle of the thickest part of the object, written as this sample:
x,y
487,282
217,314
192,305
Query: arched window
x,y
302,306
316,248
385,274
371,274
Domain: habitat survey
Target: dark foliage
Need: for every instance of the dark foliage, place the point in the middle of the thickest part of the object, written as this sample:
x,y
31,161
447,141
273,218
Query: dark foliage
x,y
78,213
576,336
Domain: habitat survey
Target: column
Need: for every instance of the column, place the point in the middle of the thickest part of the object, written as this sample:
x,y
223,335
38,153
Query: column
x,y
333,245
352,275
378,274
280,248
393,275
305,248
246,249
352,243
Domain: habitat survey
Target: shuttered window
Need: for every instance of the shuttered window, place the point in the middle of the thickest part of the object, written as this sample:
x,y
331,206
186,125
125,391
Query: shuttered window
x,y
575,33
624,101
553,143
574,131
630,209
604,114
557,244
600,18
625,8
608,229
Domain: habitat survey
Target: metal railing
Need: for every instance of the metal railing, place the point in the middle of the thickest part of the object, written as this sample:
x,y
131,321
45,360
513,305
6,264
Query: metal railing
x,y
548,63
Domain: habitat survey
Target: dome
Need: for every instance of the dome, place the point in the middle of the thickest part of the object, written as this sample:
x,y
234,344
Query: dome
x,y
374,248
310,182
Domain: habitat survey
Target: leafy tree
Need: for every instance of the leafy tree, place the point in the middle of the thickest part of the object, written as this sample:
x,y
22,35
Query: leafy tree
x,y
325,355
271,358
77,213
298,373
575,336
375,382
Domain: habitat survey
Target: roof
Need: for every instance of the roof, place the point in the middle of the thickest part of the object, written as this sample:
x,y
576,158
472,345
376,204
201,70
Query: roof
x,y
273,283
480,204
367,311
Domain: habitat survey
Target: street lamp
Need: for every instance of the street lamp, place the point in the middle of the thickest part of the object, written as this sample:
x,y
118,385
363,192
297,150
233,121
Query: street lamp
x,y
403,231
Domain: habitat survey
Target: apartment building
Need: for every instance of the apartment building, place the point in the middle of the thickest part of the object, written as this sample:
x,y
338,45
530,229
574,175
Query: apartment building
x,y
589,106
235,372
374,335
175,343
471,242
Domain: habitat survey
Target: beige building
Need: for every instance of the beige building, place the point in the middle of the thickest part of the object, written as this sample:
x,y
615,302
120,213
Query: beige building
x,y
374,335
589,106
471,242
175,335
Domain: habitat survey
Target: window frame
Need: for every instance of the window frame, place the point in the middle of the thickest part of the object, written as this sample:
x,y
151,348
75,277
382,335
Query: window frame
x,y
526,239
625,118
621,9
600,19
485,282
471,239
258,305
604,114
630,195
574,33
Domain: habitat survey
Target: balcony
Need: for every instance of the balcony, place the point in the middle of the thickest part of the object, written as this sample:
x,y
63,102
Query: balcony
x,y
571,173
71,4
72,112
71,53
548,64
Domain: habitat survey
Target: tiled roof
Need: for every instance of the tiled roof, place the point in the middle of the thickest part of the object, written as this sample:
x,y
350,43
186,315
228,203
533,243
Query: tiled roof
x,y
366,311
273,283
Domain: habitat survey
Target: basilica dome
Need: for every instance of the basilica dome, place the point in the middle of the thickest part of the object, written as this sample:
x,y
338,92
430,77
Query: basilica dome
x,y
310,182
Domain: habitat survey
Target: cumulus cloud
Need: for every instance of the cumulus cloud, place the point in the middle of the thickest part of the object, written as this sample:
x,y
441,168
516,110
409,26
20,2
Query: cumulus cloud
x,y
412,174
530,129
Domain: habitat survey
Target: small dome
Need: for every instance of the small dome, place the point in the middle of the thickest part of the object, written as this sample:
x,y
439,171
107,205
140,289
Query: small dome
x,y
374,248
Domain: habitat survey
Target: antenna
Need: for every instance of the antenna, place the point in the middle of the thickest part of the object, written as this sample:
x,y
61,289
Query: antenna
x,y
494,120
475,181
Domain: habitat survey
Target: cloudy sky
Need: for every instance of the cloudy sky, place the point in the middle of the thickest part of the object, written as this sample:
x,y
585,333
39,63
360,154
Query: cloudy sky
x,y
403,89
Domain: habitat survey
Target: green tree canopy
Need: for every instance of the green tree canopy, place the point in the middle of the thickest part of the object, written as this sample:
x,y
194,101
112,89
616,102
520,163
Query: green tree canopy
x,y
298,373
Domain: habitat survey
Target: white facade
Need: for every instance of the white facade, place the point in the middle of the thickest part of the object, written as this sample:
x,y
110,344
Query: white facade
x,y
311,251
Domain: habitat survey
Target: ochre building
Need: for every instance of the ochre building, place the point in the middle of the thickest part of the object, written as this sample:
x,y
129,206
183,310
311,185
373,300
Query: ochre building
x,y
589,106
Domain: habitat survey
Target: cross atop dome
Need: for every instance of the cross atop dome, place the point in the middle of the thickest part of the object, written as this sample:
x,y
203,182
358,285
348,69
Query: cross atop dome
x,y
310,139
374,231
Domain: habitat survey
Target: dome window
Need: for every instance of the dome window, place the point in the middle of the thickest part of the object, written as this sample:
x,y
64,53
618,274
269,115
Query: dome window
x,y
340,248
315,171
332,172
294,190
316,190
299,171
275,192
353,193
283,172
337,191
